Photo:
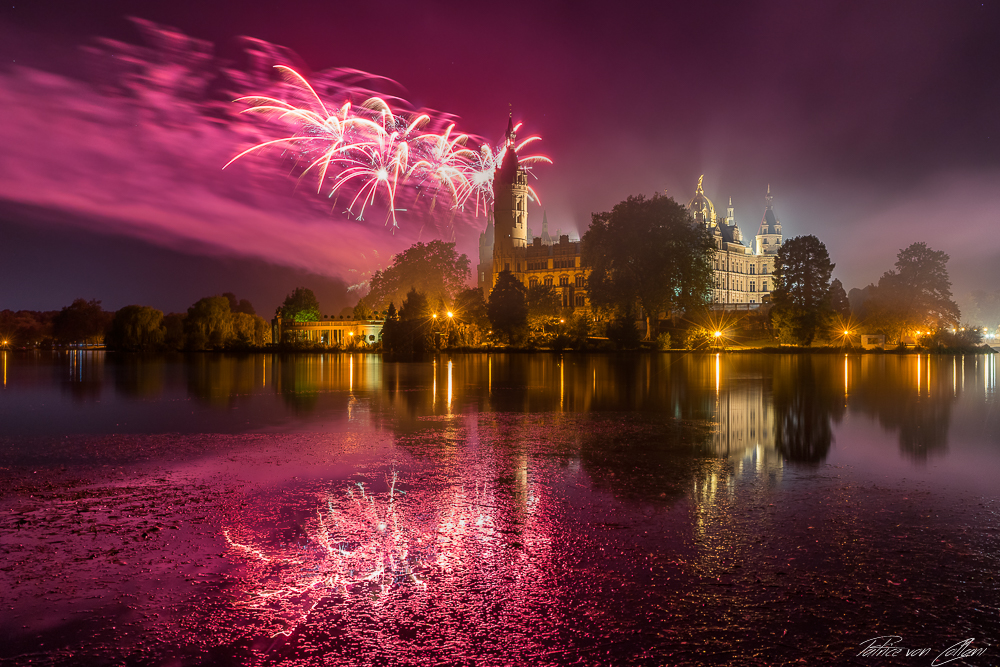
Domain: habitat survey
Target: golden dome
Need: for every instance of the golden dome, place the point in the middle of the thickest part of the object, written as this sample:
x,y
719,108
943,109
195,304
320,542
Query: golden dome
x,y
701,207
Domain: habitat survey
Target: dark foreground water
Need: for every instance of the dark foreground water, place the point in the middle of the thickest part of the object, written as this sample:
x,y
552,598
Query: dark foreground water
x,y
671,509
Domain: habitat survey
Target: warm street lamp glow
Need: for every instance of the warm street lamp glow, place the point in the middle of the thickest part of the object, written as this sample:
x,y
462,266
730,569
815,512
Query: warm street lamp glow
x,y
450,314
561,321
846,332
435,316
718,334
350,333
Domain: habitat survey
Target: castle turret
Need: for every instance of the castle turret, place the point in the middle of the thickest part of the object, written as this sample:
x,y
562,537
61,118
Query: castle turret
x,y
769,235
546,239
484,269
510,212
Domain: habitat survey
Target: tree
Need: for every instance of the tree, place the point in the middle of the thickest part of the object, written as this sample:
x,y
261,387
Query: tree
x,y
208,323
544,305
470,316
801,288
300,306
411,334
915,296
435,269
985,309
508,307
837,299
650,253
362,311
81,322
173,331
241,306
249,331
136,329
924,286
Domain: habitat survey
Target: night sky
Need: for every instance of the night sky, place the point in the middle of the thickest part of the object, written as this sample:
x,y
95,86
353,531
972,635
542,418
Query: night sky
x,y
875,125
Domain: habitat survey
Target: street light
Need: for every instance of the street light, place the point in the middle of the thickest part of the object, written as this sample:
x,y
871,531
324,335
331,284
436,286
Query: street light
x,y
450,314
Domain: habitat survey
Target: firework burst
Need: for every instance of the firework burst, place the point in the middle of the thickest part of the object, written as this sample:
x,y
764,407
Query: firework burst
x,y
375,156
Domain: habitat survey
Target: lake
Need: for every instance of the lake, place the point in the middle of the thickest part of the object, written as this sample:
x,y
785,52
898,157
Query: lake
x,y
499,509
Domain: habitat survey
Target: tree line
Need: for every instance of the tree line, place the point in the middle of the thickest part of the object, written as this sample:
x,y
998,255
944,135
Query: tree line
x,y
212,323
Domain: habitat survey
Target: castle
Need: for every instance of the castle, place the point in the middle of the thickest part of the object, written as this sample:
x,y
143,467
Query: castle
x,y
504,244
743,274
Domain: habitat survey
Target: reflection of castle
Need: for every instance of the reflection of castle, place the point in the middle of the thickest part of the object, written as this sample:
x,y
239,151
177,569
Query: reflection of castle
x,y
743,275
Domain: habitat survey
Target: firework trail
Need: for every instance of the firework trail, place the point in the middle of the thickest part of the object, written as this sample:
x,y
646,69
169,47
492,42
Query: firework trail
x,y
372,154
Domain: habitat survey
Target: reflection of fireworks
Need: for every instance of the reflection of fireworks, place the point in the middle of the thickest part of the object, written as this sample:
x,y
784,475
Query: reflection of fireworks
x,y
369,150
355,547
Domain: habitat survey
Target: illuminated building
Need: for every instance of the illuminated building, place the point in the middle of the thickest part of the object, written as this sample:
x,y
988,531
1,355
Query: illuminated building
x,y
331,331
504,245
743,274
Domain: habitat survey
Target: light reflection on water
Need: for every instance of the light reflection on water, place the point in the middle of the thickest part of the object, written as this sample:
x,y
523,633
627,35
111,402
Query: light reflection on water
x,y
784,405
493,509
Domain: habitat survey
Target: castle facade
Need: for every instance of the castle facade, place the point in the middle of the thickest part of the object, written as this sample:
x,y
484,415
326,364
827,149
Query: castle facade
x,y
743,274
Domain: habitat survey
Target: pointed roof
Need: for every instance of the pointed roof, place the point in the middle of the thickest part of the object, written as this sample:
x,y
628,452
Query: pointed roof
x,y
769,223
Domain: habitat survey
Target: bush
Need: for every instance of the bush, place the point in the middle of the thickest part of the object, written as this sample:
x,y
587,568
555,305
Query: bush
x,y
623,332
663,341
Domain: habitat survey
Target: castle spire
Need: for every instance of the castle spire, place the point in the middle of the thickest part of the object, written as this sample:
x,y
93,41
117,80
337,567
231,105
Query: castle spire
x,y
768,198
510,130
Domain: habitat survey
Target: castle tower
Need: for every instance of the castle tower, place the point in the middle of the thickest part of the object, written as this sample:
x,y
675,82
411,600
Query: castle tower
x,y
484,269
730,214
510,213
701,207
769,235
546,239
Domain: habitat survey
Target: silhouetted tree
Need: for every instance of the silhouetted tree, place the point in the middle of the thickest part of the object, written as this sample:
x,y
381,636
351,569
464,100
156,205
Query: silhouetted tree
x,y
411,335
471,317
508,307
837,299
648,253
136,329
173,331
801,289
208,323
81,322
915,296
241,306
434,268
544,305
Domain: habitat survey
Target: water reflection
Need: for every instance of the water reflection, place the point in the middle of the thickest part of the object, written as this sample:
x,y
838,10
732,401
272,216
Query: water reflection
x,y
757,408
914,395
83,375
388,550
807,396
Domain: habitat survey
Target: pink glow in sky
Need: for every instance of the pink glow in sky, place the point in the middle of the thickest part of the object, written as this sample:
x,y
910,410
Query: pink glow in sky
x,y
874,125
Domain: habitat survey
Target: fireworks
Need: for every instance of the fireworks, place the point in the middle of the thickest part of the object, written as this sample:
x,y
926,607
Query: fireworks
x,y
361,545
370,154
